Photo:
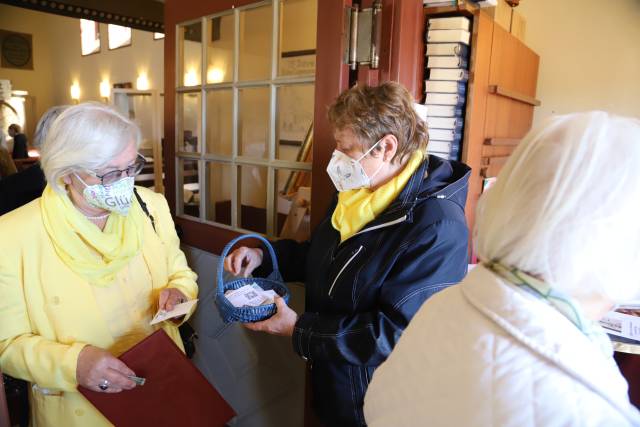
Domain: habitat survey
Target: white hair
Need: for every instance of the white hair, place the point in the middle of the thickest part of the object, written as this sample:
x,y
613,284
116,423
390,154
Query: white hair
x,y
47,119
566,207
85,137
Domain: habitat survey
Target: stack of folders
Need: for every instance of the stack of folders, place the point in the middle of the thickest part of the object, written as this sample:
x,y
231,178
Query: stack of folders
x,y
446,85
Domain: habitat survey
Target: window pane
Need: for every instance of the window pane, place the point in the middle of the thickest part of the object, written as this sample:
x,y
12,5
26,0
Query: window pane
x,y
118,36
190,187
253,198
190,59
297,54
253,122
294,117
89,37
293,198
220,49
255,43
219,192
189,122
220,122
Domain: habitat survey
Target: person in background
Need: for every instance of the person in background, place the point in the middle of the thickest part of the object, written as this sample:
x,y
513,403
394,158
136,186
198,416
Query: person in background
x,y
395,235
517,343
28,184
20,147
7,167
85,267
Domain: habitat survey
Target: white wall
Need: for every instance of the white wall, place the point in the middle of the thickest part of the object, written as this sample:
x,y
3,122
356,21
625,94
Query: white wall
x,y
58,62
589,54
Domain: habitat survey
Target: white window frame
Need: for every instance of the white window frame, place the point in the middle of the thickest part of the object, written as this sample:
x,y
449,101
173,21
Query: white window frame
x,y
235,160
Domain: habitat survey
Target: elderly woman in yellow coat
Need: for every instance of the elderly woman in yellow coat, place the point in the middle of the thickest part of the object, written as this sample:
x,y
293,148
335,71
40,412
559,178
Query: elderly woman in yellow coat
x,y
84,268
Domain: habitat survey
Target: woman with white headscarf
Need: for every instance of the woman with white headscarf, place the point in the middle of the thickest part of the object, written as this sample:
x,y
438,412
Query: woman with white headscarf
x,y
517,343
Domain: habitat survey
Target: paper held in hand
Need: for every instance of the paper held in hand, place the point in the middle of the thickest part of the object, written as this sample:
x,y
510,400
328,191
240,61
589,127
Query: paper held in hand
x,y
178,310
626,324
250,295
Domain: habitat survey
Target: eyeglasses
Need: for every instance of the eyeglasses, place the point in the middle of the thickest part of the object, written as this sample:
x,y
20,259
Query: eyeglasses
x,y
112,177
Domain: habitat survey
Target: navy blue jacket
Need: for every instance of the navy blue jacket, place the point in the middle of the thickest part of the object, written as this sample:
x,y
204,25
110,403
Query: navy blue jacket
x,y
362,293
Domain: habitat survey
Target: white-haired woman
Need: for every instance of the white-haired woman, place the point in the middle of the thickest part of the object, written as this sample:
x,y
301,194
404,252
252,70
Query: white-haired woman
x,y
517,342
84,268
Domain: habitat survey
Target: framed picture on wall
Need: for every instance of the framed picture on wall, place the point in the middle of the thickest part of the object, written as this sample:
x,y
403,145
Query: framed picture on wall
x,y
297,63
16,50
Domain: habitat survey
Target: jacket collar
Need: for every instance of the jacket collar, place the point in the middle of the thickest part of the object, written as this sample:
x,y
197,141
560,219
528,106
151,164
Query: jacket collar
x,y
550,335
434,178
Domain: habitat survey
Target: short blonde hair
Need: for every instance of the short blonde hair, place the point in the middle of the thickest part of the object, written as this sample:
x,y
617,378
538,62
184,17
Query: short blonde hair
x,y
85,137
565,206
372,112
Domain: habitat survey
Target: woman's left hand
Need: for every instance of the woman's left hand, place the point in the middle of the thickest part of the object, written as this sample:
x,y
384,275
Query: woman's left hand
x,y
281,323
169,298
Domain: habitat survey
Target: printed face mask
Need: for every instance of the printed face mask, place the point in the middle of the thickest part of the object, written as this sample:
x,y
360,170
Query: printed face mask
x,y
116,197
347,173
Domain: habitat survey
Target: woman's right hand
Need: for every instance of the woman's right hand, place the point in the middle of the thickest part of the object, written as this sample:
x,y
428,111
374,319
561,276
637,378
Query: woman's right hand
x,y
243,260
96,365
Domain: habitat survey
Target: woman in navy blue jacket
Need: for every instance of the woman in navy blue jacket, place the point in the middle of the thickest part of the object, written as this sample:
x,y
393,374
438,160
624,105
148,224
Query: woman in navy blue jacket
x,y
395,235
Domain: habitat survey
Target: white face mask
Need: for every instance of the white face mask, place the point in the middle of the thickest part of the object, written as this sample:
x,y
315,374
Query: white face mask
x,y
347,173
116,197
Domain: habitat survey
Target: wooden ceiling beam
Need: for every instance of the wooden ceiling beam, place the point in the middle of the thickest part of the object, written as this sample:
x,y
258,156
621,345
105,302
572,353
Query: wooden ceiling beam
x,y
145,15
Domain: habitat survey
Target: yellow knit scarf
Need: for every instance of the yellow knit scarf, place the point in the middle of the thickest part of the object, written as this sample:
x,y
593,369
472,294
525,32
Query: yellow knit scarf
x,y
93,254
357,208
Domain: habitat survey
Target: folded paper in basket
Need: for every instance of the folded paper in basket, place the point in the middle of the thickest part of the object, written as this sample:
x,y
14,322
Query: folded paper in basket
x,y
250,295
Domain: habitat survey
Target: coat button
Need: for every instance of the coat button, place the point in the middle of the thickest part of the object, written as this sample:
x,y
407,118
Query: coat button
x,y
79,412
56,301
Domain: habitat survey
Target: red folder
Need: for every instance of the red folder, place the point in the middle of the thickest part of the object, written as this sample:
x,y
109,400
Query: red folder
x,y
175,392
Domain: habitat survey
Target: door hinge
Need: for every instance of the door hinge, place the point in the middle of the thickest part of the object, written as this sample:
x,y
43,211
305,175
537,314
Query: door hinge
x,y
362,35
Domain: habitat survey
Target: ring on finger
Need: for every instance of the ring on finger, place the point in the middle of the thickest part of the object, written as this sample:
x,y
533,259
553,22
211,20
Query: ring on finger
x,y
104,385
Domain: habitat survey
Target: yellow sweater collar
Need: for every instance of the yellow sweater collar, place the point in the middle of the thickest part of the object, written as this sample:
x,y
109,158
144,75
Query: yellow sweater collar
x,y
357,208
94,254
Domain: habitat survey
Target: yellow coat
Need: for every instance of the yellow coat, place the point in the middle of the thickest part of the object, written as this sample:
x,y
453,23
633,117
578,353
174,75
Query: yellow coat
x,y
48,313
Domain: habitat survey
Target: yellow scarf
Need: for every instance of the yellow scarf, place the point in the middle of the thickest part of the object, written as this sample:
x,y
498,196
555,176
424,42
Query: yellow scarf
x,y
357,208
93,254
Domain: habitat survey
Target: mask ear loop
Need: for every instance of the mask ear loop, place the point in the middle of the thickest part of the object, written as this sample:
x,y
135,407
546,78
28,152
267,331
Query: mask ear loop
x,y
81,180
370,149
379,167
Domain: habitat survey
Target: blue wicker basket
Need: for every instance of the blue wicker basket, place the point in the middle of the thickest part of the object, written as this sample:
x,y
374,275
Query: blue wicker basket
x,y
228,311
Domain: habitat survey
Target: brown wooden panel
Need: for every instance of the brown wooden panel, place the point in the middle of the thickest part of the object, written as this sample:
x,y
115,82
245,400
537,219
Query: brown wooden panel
x,y
466,9
496,151
514,68
332,77
502,141
491,170
402,46
488,161
474,135
499,90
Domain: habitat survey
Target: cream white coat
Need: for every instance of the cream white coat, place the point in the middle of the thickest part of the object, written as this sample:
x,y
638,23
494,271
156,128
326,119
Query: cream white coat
x,y
485,353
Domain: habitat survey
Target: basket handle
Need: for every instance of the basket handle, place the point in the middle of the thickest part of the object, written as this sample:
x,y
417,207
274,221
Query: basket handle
x,y
276,272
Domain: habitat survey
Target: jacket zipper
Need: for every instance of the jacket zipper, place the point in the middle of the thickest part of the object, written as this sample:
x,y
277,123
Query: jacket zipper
x,y
386,224
344,267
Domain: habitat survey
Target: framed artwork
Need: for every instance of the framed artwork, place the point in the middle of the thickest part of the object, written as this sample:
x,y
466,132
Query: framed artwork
x,y
16,50
89,37
297,63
